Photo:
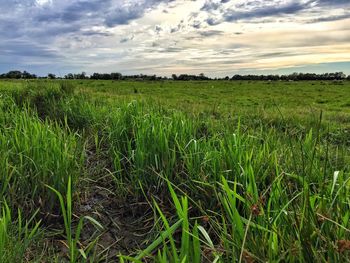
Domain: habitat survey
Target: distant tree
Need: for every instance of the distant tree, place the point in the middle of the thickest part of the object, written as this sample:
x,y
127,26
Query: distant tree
x,y
26,75
152,78
116,76
340,76
80,75
95,76
106,76
237,77
201,77
69,76
51,76
14,74
187,77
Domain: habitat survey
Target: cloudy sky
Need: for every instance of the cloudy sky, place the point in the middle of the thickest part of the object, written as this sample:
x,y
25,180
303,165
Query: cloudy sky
x,y
216,37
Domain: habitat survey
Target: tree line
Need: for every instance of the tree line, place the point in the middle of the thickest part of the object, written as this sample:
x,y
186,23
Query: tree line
x,y
16,74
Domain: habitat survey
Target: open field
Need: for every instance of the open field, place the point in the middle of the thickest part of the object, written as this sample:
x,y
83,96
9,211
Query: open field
x,y
171,171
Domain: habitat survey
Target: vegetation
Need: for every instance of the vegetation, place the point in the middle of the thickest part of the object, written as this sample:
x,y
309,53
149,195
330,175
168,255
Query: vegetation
x,y
182,77
173,171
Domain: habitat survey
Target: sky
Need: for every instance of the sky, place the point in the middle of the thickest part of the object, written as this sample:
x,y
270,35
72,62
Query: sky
x,y
214,37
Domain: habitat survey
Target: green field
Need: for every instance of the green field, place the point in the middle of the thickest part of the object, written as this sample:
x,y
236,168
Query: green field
x,y
171,171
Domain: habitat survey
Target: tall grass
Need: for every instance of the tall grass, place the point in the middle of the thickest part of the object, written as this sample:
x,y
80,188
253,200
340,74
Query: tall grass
x,y
16,235
34,153
222,190
67,213
253,188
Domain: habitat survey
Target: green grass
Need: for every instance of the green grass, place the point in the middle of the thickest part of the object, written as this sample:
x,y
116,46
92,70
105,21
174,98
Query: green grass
x,y
73,238
233,171
225,98
35,152
16,235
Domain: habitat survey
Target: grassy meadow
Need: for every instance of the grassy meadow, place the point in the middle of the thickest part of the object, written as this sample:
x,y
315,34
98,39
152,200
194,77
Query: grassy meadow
x,y
171,171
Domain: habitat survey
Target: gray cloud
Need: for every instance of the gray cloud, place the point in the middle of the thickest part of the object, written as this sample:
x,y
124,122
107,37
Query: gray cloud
x,y
210,33
279,54
252,10
196,24
210,6
212,21
178,27
28,17
329,18
287,9
96,33
36,31
123,15
333,2
104,34
18,50
127,39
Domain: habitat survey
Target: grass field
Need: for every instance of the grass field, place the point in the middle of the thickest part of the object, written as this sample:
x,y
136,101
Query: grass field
x,y
103,171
